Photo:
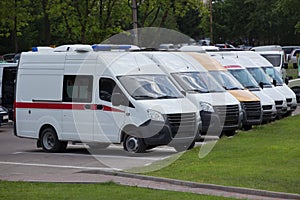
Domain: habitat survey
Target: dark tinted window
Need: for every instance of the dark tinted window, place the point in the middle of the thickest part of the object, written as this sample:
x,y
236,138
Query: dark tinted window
x,y
77,88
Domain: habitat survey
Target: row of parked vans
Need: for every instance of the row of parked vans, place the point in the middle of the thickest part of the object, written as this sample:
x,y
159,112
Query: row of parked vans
x,y
108,94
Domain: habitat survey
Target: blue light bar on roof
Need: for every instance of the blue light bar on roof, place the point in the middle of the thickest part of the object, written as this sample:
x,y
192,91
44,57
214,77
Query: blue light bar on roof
x,y
104,47
34,49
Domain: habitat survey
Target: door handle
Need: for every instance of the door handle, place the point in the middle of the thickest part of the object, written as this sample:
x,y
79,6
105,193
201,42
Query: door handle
x,y
87,106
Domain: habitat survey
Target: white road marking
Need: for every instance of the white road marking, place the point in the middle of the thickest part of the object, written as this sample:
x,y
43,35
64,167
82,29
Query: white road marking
x,y
97,156
60,166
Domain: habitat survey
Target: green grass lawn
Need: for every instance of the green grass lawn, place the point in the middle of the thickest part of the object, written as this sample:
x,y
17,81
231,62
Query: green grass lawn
x,y
32,191
266,157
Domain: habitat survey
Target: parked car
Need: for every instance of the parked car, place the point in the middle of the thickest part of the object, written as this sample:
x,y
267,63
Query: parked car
x,y
3,116
288,50
295,86
292,58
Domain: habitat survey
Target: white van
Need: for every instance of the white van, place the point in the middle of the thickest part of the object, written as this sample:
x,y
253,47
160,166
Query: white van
x,y
198,85
250,103
276,78
264,82
275,55
246,79
73,93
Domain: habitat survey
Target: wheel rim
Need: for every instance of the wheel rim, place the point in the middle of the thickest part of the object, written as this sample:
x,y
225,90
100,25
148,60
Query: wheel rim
x,y
48,140
132,144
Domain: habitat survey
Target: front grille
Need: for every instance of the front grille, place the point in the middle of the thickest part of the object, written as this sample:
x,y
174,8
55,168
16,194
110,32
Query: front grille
x,y
228,114
182,125
289,100
267,107
278,103
252,109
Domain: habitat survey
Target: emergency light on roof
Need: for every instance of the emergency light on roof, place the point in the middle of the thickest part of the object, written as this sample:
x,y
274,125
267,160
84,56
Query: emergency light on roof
x,y
41,49
81,48
111,47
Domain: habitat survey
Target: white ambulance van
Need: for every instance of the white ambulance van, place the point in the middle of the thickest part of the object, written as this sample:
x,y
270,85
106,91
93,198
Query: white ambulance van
x,y
276,78
246,79
75,94
215,103
264,82
250,103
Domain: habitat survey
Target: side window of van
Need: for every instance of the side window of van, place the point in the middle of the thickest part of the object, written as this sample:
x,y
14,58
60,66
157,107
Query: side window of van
x,y
77,88
107,87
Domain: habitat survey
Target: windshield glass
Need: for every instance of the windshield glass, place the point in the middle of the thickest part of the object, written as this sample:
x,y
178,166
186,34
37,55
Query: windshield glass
x,y
225,79
259,75
200,82
274,59
274,74
142,87
244,77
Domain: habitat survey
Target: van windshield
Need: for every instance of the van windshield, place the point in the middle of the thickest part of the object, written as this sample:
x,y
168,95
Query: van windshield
x,y
144,87
201,82
275,59
259,75
274,74
245,78
225,79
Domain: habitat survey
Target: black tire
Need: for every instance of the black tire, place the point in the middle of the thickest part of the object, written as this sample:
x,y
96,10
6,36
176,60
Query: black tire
x,y
133,144
229,133
247,127
183,147
50,141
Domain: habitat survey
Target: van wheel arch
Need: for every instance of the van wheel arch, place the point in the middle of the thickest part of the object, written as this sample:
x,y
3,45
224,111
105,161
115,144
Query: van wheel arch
x,y
49,141
132,140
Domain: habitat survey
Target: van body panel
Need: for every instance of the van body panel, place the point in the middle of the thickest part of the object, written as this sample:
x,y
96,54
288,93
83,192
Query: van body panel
x,y
243,95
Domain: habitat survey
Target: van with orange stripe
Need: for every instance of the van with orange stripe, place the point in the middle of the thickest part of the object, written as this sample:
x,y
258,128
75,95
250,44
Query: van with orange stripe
x,y
75,93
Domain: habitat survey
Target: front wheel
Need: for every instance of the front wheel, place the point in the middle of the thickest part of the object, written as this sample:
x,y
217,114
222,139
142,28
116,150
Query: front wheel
x,y
133,144
50,141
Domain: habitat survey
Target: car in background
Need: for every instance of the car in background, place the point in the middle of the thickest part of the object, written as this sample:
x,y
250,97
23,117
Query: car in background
x,y
288,50
9,57
292,58
295,86
3,116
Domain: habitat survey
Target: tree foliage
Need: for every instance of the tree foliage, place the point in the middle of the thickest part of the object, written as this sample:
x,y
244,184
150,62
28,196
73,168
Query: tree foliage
x,y
25,23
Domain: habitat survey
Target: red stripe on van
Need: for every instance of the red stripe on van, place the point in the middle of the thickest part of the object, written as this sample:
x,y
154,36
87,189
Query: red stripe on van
x,y
63,106
107,108
51,106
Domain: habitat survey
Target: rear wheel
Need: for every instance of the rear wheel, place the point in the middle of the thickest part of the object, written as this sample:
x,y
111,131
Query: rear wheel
x,y
133,144
50,141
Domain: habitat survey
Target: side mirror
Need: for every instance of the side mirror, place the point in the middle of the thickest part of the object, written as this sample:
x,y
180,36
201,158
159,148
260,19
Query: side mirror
x,y
285,65
261,84
117,99
274,82
287,79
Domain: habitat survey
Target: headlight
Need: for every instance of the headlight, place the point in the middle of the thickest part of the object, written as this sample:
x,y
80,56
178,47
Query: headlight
x,y
156,116
206,107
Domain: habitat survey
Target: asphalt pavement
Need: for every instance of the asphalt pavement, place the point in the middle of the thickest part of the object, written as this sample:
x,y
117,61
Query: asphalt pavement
x,y
20,160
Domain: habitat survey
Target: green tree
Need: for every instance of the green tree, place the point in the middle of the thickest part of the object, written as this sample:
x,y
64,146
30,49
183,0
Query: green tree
x,y
14,17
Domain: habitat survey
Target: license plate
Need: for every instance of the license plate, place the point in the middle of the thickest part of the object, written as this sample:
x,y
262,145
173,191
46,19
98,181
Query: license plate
x,y
5,117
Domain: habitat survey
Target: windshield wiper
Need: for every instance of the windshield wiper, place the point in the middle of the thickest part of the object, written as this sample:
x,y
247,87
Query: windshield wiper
x,y
143,97
251,86
234,88
166,97
199,91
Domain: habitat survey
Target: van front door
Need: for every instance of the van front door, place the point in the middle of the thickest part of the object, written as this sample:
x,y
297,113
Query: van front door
x,y
78,110
109,119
